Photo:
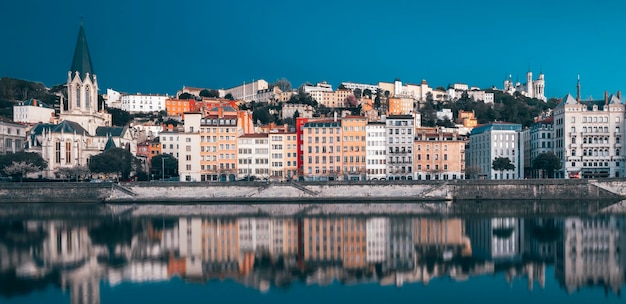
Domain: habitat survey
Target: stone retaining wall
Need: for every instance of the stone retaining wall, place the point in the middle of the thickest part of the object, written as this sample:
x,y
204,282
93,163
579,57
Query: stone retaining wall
x,y
175,192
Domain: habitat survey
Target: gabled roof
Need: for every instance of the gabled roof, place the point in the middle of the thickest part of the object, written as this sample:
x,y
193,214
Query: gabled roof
x,y
65,126
569,99
38,129
110,144
614,100
110,131
82,60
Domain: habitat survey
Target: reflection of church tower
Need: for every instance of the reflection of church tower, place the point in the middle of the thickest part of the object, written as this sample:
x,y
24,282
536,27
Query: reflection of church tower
x,y
82,90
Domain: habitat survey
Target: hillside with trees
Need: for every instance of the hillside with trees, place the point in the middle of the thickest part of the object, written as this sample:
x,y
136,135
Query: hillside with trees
x,y
510,108
15,90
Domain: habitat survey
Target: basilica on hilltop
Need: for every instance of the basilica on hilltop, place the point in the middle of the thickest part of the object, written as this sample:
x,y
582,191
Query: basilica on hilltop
x,y
532,88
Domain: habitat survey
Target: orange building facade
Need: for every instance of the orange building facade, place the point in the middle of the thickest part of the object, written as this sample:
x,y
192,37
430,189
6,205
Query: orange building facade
x,y
322,150
218,147
353,147
438,155
177,107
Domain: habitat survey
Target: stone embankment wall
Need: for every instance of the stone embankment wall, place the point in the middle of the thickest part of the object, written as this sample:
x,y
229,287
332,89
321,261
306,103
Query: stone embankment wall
x,y
399,191
54,192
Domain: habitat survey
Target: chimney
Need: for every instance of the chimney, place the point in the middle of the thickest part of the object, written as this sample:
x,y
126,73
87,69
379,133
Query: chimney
x,y
220,112
335,116
619,95
606,97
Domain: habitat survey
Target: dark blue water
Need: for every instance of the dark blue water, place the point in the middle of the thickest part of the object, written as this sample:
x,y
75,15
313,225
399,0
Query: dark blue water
x,y
105,258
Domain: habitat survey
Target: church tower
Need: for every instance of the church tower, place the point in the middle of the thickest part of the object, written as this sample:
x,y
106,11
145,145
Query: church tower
x,y
529,84
82,90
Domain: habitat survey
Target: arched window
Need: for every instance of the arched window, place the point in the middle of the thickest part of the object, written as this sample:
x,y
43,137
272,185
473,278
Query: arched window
x,y
77,96
87,97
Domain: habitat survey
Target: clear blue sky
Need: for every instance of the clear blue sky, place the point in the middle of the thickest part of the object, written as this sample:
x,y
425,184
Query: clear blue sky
x,y
154,46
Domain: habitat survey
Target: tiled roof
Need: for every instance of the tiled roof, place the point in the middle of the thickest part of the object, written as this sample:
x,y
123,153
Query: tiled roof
x,y
65,126
110,131
35,103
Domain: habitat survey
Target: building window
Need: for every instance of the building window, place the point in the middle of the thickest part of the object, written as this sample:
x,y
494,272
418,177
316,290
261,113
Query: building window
x,y
58,153
87,97
68,152
77,96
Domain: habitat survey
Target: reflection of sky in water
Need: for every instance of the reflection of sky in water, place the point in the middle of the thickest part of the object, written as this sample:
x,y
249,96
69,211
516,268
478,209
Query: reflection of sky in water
x,y
482,289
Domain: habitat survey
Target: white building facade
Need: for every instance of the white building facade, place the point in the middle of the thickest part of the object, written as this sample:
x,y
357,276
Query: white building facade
x,y
143,103
169,143
12,136
32,111
253,156
189,161
589,137
246,91
540,140
492,141
400,133
376,151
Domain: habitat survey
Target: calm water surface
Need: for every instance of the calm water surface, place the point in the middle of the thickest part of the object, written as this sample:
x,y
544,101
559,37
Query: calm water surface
x,y
69,256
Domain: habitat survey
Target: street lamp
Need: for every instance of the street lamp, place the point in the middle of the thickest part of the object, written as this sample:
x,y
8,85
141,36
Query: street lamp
x,y
162,167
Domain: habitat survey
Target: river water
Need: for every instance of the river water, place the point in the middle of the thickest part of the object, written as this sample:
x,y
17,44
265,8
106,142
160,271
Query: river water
x,y
309,254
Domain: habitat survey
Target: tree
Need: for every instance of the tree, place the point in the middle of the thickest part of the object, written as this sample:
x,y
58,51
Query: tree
x,y
229,96
210,93
350,101
78,172
262,114
185,96
445,123
118,161
358,93
20,169
283,84
367,93
502,164
29,157
547,163
377,101
164,165
429,114
473,172
119,117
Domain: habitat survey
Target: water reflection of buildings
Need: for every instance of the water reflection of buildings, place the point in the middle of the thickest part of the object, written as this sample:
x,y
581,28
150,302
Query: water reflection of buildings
x,y
592,253
261,252
497,239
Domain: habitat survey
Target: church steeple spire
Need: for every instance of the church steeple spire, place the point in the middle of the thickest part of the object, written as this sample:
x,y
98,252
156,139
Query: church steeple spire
x,y
82,60
578,90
